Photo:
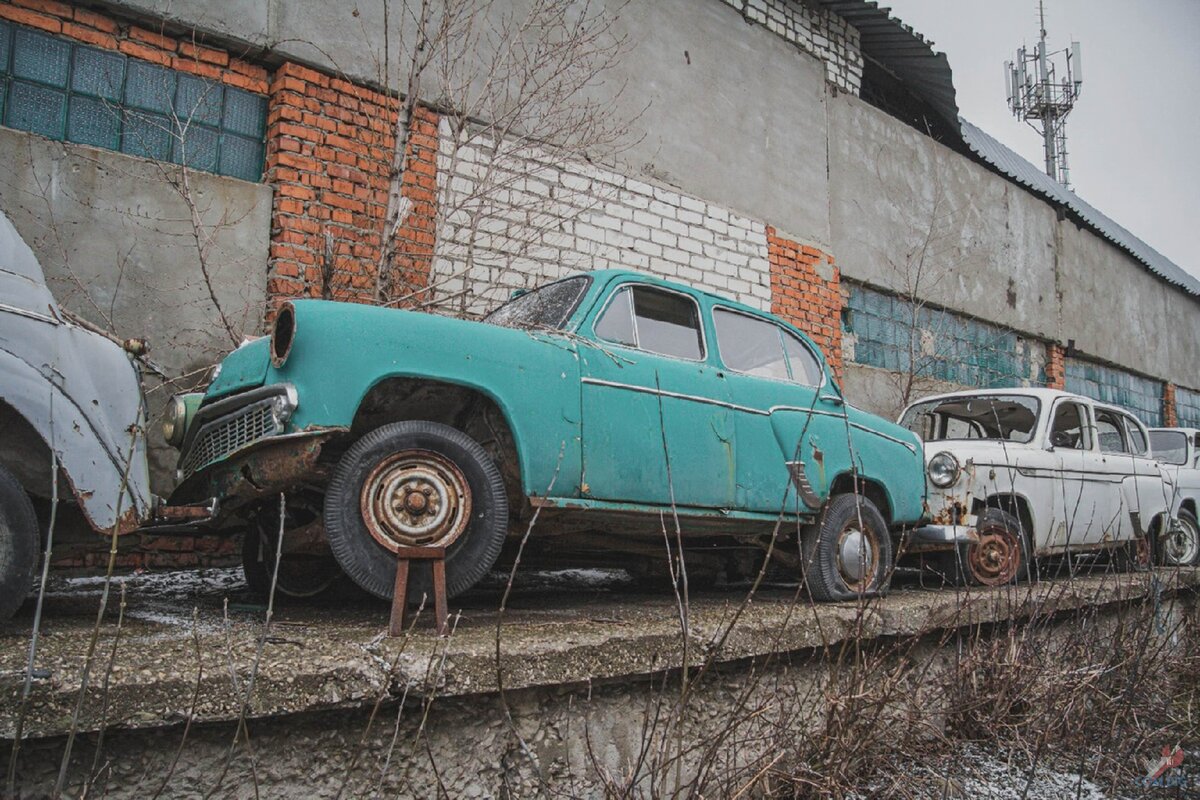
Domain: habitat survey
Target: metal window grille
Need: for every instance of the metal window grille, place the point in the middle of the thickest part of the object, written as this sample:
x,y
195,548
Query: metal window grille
x,y
1187,407
883,330
1142,396
71,92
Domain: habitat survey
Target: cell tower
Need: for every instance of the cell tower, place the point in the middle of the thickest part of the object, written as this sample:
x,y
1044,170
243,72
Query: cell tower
x,y
1037,96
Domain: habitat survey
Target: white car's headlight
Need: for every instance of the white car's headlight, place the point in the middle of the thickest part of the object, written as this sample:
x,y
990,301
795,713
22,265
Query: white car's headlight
x,y
943,470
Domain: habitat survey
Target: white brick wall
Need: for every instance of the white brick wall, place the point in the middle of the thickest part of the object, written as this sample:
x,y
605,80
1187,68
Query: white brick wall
x,y
820,33
518,219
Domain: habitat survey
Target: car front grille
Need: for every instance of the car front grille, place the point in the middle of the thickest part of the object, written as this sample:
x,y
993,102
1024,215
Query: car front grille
x,y
230,433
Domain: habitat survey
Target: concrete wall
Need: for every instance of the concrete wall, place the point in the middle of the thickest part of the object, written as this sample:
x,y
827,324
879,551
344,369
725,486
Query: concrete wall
x,y
907,212
1117,311
115,240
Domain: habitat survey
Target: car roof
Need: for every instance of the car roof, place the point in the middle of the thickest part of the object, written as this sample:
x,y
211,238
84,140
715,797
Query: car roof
x,y
1189,431
1038,392
610,275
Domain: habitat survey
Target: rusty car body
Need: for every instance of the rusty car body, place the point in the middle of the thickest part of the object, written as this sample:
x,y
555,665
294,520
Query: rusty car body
x,y
607,403
66,391
1016,475
1178,450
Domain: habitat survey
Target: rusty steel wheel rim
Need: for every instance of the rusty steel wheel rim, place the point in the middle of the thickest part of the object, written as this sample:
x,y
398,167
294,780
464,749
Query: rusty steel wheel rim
x,y
1180,545
416,498
857,558
995,558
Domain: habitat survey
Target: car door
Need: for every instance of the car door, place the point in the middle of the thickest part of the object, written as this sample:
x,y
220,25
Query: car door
x,y
1112,468
1072,498
652,400
790,420
1147,495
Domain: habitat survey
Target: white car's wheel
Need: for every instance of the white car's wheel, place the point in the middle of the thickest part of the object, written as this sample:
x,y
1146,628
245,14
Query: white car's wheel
x,y
1180,546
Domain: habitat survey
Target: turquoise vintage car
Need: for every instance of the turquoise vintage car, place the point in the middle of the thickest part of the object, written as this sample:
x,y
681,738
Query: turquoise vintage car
x,y
611,402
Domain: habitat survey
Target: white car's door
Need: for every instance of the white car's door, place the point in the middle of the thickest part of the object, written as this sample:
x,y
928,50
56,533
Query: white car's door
x,y
1073,498
1147,494
1113,475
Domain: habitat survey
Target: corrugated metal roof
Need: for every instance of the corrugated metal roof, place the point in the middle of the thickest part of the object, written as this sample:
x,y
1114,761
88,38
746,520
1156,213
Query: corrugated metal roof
x,y
1014,166
903,51
912,59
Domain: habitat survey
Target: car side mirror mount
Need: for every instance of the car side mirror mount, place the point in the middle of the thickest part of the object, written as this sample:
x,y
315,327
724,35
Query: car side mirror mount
x,y
517,293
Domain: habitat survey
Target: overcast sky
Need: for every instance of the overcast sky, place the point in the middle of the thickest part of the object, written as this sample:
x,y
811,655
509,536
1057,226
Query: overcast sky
x,y
1134,136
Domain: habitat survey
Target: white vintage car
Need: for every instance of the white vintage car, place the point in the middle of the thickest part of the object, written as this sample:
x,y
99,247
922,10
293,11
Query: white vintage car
x,y
1016,475
1178,450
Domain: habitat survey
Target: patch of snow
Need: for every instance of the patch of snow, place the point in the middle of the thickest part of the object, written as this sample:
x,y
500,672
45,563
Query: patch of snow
x,y
173,585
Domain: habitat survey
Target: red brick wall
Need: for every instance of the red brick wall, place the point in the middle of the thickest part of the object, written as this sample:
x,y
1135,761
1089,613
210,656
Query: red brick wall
x,y
801,296
181,53
1170,414
329,153
1056,375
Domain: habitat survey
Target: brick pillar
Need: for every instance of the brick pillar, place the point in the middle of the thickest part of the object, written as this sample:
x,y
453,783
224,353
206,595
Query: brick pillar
x,y
806,291
1170,410
329,155
1056,373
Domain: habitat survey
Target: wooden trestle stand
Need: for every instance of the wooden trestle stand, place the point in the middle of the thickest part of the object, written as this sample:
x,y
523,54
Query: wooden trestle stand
x,y
437,557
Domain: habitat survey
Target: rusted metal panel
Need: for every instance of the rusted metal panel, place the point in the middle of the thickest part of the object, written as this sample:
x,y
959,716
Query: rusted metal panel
x,y
78,390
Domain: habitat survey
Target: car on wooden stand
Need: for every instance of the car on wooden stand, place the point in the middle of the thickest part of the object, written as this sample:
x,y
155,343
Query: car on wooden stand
x,y
1019,475
1178,450
610,403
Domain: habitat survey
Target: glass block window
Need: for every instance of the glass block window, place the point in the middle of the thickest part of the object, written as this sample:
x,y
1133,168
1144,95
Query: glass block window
x,y
1142,396
882,330
1187,407
69,91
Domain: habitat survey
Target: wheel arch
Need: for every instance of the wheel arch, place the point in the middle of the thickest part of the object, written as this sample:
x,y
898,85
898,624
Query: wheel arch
x,y
871,489
1013,503
464,407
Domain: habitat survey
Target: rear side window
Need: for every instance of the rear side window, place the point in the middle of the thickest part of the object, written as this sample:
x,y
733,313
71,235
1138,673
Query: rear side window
x,y
1137,439
653,320
1109,427
757,347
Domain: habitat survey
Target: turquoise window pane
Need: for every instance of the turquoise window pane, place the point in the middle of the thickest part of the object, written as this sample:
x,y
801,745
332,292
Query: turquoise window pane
x,y
198,100
98,73
197,148
5,46
241,158
37,109
149,87
95,122
245,113
147,135
41,58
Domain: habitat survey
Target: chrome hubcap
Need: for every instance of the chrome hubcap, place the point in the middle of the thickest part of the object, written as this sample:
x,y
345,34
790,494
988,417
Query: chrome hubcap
x,y
856,558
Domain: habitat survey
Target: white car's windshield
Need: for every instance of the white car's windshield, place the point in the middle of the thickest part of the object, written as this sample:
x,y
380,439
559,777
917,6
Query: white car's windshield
x,y
1011,418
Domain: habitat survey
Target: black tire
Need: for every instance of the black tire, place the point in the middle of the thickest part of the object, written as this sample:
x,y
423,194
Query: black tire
x,y
828,573
18,544
988,562
301,575
1180,546
371,565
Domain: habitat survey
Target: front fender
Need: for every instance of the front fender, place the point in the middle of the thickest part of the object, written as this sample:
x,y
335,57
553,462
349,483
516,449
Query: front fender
x,y
81,395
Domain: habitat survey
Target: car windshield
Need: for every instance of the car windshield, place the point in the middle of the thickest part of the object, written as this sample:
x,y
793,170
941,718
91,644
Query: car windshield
x,y
1011,418
548,307
1169,446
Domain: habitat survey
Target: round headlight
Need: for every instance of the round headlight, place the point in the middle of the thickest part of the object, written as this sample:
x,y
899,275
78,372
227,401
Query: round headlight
x,y
942,470
175,421
282,334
